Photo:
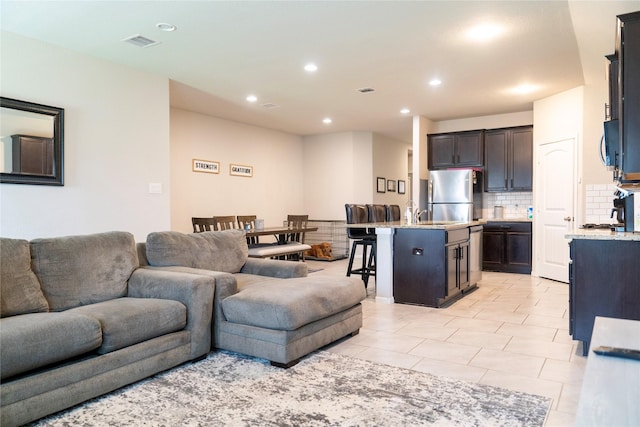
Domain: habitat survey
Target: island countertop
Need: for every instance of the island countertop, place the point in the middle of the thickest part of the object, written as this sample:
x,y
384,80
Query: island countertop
x,y
596,234
422,225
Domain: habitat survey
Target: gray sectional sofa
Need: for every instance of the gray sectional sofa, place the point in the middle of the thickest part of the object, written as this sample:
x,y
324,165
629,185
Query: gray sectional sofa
x,y
264,308
79,318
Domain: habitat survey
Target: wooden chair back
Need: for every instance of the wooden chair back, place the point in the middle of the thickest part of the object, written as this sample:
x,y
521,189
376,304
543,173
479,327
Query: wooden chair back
x,y
297,221
251,220
202,224
224,223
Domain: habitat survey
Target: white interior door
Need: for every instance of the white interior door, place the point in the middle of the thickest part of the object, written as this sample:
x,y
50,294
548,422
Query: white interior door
x,y
555,204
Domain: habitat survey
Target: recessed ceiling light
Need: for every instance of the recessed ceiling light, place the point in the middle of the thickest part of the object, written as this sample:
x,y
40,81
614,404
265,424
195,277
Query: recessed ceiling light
x,y
524,89
327,120
311,67
163,26
252,98
405,111
484,32
435,82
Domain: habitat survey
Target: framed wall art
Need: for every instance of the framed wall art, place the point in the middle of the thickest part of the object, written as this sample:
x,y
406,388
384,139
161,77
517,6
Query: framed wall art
x,y
206,166
401,187
241,170
391,185
381,187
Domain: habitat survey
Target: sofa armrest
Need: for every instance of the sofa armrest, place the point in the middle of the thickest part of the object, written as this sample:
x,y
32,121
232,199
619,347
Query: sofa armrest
x,y
275,268
194,291
225,285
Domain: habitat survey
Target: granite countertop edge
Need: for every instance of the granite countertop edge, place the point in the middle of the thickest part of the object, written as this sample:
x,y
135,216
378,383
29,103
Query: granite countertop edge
x,y
595,234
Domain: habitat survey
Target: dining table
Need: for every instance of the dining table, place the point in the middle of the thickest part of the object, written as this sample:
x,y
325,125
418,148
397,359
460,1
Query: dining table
x,y
280,233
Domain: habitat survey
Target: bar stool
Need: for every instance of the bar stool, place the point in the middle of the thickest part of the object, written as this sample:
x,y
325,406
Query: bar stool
x,y
393,212
357,214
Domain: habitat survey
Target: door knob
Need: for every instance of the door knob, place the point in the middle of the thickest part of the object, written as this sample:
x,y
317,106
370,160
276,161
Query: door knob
x,y
567,218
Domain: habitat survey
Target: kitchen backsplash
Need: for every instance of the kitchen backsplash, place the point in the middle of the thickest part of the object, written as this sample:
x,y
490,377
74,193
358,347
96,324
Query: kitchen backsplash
x,y
515,204
599,203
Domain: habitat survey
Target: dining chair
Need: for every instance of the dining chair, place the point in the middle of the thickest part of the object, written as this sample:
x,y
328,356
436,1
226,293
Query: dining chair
x,y
392,212
358,214
202,224
224,223
296,221
251,220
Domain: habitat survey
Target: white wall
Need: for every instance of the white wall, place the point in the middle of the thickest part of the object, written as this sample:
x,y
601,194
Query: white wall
x,y
274,191
483,122
116,143
390,161
337,170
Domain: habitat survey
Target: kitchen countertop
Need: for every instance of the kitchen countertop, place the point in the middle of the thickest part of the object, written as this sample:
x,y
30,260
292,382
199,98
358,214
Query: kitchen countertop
x,y
596,234
422,225
521,219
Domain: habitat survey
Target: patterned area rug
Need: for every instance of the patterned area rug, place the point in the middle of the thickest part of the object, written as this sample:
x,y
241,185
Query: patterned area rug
x,y
325,389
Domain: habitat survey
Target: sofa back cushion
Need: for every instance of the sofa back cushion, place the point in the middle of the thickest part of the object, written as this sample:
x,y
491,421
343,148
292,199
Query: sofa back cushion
x,y
81,270
224,251
20,291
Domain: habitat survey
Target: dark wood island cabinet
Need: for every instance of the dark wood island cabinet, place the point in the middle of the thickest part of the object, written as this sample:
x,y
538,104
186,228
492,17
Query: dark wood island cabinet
x,y
604,280
430,266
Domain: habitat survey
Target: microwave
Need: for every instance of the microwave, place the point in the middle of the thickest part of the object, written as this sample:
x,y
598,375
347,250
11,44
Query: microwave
x,y
611,142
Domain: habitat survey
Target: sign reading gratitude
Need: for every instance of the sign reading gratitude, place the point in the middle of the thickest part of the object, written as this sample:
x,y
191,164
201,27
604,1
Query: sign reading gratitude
x,y
205,166
241,170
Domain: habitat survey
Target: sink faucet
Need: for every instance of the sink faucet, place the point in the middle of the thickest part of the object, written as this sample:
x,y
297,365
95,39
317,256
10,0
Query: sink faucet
x,y
417,214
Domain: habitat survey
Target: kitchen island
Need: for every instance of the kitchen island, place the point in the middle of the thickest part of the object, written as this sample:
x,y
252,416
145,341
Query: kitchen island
x,y
604,280
433,252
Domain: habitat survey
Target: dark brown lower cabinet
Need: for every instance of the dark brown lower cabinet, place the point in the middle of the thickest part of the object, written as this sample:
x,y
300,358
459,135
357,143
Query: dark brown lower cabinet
x,y
604,280
506,247
430,266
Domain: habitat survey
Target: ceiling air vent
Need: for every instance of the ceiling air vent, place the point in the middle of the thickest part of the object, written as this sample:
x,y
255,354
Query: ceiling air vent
x,y
140,41
269,105
366,89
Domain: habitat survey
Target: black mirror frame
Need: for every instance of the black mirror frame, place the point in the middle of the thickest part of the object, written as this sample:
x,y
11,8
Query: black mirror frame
x,y
58,144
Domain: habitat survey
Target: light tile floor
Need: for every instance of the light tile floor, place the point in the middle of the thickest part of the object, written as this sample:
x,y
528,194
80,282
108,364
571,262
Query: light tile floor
x,y
512,332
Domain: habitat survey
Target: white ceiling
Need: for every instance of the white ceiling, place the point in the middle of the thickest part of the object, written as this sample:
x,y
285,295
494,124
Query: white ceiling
x,y
224,50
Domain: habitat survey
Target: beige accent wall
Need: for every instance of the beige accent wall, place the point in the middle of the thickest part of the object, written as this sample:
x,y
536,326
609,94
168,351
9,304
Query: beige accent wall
x,y
390,161
116,144
275,190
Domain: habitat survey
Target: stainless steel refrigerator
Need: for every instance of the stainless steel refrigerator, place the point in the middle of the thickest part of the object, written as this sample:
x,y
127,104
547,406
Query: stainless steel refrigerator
x,y
455,195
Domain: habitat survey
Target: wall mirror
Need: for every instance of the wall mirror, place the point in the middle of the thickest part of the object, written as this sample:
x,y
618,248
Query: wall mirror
x,y
31,143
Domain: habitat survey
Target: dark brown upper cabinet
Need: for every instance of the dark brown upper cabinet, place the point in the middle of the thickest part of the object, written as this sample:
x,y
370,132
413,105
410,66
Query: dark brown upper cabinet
x,y
628,96
508,159
455,149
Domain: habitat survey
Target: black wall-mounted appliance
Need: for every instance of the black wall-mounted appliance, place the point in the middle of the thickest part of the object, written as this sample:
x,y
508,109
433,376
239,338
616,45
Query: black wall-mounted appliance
x,y
611,141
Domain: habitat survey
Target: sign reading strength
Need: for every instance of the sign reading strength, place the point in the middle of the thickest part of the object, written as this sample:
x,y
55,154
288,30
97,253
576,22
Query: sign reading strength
x,y
241,170
205,166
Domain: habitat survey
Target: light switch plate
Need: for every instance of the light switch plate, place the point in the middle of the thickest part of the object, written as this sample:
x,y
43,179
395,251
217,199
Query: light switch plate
x,y
155,188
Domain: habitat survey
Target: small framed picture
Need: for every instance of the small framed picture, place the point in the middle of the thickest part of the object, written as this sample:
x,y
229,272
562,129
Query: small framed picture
x,y
241,170
206,166
391,185
381,185
401,188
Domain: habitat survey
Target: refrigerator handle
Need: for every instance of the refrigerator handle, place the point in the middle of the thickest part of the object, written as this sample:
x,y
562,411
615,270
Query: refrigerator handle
x,y
430,191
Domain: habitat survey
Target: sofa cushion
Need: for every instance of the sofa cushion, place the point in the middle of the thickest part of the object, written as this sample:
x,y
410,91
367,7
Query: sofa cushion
x,y
80,270
128,321
20,291
289,304
30,341
224,251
